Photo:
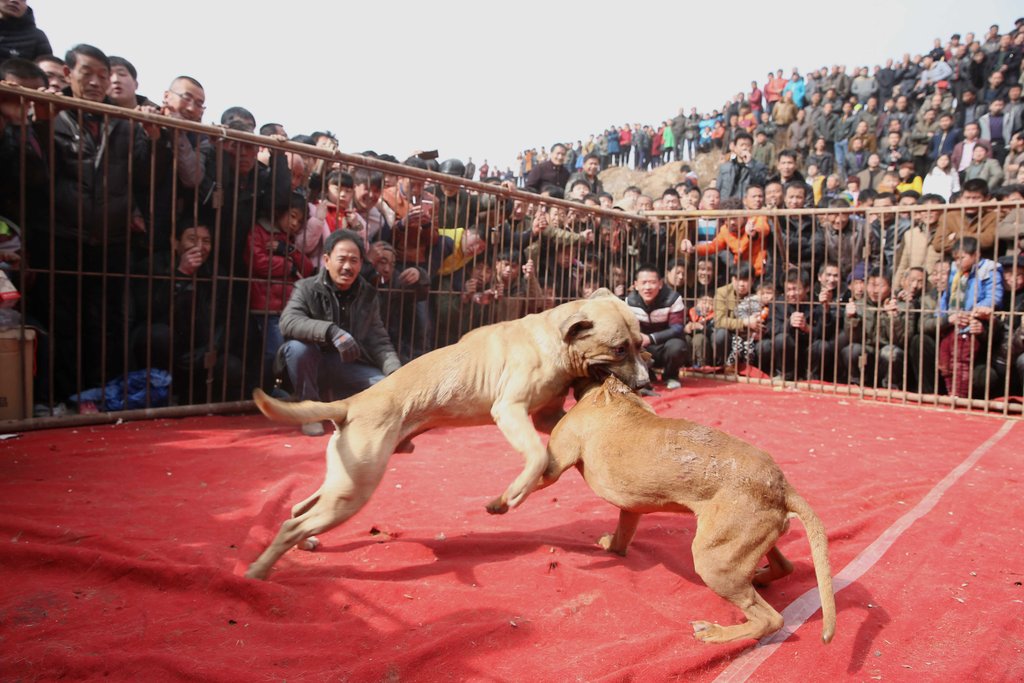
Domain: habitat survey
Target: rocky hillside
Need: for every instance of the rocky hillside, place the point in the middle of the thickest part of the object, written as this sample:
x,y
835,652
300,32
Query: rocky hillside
x,y
653,183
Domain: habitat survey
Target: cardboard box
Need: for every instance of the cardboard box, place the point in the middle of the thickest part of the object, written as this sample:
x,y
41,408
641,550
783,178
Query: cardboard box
x,y
17,363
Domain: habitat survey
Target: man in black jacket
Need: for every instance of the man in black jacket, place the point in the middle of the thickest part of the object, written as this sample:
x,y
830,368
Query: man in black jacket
x,y
19,36
334,334
181,299
741,169
96,175
550,172
796,341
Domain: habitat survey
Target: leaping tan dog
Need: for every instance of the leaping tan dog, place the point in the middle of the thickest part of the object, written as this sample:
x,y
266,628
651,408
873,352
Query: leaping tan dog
x,y
503,372
643,463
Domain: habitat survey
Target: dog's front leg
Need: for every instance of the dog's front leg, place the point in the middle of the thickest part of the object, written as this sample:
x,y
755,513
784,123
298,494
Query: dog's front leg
x,y
619,541
514,422
547,417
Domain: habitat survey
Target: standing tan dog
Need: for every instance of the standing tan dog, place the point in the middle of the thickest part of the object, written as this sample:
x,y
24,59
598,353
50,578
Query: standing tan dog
x,y
503,372
642,463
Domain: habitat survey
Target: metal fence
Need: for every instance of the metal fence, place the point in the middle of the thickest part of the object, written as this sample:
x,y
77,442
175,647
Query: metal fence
x,y
152,257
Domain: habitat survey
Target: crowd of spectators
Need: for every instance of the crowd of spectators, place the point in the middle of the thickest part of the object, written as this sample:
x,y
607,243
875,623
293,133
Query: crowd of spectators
x,y
148,245
930,100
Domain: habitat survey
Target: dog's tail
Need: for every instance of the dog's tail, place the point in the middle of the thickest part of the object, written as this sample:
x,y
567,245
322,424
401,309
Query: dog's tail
x,y
301,412
819,555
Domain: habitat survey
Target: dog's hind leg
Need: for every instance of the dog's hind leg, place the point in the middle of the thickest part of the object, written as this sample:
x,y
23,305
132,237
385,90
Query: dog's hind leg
x,y
726,550
350,481
328,512
778,567
312,542
619,541
304,506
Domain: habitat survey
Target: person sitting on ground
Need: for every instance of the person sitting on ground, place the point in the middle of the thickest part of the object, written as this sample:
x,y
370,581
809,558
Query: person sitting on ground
x,y
335,338
728,323
744,342
181,299
974,291
700,329
796,343
876,332
1006,373
662,316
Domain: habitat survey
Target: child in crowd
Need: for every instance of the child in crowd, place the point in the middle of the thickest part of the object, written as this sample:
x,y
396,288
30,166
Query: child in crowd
x,y
974,291
332,212
275,263
855,284
875,329
744,342
701,327
479,293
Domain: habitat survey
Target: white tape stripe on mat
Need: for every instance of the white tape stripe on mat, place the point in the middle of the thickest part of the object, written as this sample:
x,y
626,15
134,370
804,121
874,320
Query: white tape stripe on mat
x,y
807,604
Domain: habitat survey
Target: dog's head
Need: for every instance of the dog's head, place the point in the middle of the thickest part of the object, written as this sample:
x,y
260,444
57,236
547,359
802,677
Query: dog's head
x,y
604,339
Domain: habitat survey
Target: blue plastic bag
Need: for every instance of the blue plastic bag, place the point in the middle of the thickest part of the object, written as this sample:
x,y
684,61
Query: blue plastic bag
x,y
117,396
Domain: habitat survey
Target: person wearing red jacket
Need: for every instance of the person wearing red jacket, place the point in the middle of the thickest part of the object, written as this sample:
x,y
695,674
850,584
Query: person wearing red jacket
x,y
773,88
275,263
625,143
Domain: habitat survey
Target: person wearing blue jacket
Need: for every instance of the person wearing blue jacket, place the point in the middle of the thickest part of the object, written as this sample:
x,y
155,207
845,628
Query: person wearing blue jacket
x,y
974,291
798,87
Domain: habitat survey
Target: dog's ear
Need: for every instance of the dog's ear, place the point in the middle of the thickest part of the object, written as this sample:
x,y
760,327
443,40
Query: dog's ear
x,y
573,326
602,293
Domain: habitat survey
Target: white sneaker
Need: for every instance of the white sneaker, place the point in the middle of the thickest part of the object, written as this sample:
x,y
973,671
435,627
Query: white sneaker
x,y
673,384
313,429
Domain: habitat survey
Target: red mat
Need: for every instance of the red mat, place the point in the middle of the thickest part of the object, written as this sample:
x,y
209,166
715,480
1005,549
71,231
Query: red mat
x,y
121,549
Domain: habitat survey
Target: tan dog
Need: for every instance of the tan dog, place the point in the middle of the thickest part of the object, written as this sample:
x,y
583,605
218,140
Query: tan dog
x,y
641,463
503,372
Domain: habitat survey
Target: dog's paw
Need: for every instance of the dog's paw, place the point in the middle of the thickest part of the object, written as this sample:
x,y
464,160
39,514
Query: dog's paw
x,y
256,572
498,506
606,543
310,543
705,631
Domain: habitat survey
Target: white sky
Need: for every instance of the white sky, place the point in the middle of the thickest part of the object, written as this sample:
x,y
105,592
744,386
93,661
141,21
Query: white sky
x,y
487,79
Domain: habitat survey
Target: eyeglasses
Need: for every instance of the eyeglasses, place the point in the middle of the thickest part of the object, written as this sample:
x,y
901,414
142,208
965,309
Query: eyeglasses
x,y
187,96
